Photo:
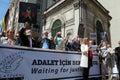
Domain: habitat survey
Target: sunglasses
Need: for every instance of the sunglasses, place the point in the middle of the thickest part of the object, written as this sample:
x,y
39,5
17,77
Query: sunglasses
x,y
11,32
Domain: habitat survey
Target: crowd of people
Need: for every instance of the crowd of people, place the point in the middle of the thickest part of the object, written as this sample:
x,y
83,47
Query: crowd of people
x,y
109,58
108,61
24,38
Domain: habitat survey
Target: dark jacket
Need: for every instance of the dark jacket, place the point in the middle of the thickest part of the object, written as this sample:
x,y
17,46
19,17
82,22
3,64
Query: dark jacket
x,y
117,52
49,43
75,46
23,37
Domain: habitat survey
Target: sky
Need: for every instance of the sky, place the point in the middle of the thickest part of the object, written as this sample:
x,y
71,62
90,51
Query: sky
x,y
113,7
4,4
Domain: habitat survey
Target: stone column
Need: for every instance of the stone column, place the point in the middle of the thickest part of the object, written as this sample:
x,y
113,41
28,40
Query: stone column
x,y
76,17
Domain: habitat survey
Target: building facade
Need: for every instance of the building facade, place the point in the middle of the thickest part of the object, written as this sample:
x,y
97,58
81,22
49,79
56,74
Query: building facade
x,y
77,17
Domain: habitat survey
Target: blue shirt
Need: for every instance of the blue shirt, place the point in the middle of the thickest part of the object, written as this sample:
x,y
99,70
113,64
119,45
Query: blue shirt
x,y
45,45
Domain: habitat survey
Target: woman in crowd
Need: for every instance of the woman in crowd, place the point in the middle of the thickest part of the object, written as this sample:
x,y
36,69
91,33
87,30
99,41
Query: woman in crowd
x,y
102,55
9,39
85,63
107,60
59,41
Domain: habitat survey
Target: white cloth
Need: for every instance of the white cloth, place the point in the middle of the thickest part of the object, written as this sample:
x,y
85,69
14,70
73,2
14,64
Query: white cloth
x,y
84,56
104,51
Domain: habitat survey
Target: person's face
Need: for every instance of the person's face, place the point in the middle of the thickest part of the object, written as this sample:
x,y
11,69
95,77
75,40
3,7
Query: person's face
x,y
27,24
45,35
104,44
108,45
11,33
59,35
17,36
90,42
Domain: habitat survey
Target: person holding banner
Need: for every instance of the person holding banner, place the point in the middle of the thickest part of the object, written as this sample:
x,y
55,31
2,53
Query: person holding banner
x,y
85,59
103,53
30,41
22,33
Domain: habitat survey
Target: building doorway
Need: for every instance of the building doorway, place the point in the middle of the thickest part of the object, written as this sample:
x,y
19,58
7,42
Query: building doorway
x,y
99,30
56,27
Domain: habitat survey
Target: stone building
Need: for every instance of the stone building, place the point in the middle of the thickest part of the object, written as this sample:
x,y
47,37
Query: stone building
x,y
77,17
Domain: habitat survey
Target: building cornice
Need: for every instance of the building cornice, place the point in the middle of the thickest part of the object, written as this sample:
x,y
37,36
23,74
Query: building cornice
x,y
98,4
52,7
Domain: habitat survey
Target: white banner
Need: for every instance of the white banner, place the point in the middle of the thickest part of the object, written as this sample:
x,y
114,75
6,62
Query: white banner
x,y
93,36
36,64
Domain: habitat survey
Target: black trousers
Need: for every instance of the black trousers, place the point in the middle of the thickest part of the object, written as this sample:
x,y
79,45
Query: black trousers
x,y
118,66
85,73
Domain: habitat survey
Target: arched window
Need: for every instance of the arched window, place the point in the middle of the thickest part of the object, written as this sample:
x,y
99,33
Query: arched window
x,y
56,27
99,29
